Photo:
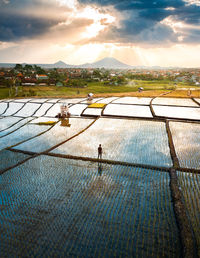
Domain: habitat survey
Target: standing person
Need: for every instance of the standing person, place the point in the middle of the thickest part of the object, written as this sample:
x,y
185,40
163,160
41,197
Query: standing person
x,y
100,152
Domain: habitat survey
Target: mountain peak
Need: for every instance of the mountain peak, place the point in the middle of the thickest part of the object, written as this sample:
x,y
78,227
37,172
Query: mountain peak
x,y
110,63
60,62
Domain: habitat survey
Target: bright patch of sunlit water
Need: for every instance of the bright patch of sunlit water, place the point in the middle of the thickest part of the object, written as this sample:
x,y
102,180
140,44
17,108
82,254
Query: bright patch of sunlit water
x,y
136,141
55,135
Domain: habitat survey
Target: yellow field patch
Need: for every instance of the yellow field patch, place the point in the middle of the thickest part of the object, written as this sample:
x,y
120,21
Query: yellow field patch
x,y
97,105
47,123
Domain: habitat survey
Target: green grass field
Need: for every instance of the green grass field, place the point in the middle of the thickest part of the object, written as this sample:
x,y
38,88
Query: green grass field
x,y
94,87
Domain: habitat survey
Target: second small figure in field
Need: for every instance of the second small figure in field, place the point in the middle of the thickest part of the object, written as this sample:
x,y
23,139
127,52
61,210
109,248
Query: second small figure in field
x,y
99,152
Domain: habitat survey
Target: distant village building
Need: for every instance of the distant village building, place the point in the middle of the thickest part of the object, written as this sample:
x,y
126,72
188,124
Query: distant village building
x,y
29,82
41,77
59,84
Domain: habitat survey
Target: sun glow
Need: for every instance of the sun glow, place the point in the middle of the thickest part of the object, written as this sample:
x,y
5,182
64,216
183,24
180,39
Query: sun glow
x,y
69,3
100,21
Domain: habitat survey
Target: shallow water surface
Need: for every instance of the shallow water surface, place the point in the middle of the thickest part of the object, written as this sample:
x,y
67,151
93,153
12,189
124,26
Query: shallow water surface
x,y
58,207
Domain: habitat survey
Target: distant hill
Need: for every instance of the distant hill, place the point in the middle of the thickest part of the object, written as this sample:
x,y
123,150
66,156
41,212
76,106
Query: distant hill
x,y
107,63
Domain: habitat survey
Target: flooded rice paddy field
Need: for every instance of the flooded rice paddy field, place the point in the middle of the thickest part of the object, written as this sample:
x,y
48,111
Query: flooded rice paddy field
x,y
127,110
190,186
71,208
54,136
10,158
143,142
175,102
53,206
11,124
189,113
186,137
22,134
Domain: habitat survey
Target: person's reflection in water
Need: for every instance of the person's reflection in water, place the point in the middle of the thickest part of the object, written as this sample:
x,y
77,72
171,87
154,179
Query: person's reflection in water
x,y
100,168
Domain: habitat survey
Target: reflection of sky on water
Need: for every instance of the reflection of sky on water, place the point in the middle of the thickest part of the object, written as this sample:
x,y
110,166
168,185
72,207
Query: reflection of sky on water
x,y
3,107
13,108
28,110
106,100
177,112
93,111
56,206
9,158
127,110
8,121
77,109
16,126
174,101
94,100
54,136
54,110
21,100
41,111
53,100
69,101
189,183
186,138
22,134
133,100
39,100
135,141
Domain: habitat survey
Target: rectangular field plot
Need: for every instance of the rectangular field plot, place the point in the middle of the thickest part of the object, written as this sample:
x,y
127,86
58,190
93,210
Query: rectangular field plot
x,y
53,100
9,158
127,111
140,142
56,135
190,187
77,109
71,101
54,110
92,111
14,124
13,108
106,100
22,134
3,107
53,207
133,100
7,122
22,100
38,100
186,138
28,110
91,101
177,112
43,109
175,102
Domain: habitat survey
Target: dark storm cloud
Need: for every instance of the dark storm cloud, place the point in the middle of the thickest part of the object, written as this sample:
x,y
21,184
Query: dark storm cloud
x,y
16,27
20,19
142,19
137,4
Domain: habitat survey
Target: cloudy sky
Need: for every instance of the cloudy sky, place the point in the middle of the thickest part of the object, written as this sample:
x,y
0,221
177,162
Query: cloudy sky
x,y
137,32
